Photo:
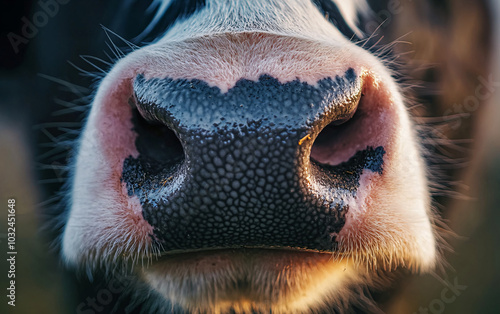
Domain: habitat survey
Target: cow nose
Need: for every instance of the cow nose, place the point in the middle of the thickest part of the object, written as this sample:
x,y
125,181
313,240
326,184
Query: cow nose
x,y
234,169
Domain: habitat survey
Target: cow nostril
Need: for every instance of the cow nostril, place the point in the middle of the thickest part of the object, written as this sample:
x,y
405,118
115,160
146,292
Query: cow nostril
x,y
157,144
336,138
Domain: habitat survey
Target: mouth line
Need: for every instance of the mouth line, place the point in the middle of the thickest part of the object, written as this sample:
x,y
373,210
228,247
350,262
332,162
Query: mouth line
x,y
248,255
242,250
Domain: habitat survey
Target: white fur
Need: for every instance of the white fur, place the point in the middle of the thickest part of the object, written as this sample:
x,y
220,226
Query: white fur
x,y
274,15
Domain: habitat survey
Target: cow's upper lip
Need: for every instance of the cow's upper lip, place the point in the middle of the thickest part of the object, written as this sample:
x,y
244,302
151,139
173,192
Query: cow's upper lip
x,y
259,275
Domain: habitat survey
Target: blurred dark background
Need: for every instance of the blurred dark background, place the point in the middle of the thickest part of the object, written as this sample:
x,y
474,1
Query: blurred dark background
x,y
45,85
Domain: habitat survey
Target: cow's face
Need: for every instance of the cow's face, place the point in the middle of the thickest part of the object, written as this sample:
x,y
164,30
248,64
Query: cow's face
x,y
256,157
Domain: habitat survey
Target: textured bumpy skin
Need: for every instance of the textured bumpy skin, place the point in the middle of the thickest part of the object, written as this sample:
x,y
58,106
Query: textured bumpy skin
x,y
243,178
258,159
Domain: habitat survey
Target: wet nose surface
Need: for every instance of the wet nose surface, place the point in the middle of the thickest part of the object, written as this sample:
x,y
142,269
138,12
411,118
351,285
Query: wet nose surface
x,y
224,170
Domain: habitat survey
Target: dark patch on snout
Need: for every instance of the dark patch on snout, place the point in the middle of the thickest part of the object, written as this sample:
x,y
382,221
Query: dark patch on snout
x,y
241,174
